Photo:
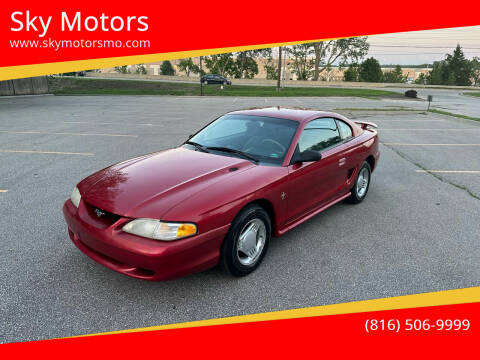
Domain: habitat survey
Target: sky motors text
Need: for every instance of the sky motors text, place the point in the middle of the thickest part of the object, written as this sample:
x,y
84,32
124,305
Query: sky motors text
x,y
25,21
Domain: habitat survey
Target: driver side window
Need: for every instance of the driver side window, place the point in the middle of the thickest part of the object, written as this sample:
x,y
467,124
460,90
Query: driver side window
x,y
319,135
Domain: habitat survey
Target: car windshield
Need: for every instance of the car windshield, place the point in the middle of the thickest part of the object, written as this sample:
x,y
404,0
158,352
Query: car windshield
x,y
262,138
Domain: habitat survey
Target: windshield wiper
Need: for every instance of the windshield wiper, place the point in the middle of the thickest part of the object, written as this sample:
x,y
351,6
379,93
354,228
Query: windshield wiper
x,y
197,146
233,151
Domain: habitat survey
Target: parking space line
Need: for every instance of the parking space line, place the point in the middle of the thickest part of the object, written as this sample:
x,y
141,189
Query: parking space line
x,y
63,133
410,120
449,171
407,144
122,124
46,152
3,191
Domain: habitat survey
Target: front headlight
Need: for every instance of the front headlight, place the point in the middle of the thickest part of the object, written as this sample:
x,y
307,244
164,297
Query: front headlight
x,y
158,230
75,197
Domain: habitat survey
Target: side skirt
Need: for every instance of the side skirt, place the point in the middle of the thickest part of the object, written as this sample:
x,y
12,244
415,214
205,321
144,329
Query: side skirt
x,y
312,214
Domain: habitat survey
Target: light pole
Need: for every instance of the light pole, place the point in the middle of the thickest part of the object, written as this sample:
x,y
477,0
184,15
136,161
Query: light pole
x,y
279,67
201,83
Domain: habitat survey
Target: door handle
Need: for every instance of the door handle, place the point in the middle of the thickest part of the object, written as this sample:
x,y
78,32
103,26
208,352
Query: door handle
x,y
342,161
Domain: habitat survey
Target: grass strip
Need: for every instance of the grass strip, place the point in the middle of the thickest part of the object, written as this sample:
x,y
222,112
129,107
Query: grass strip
x,y
89,86
461,116
476,94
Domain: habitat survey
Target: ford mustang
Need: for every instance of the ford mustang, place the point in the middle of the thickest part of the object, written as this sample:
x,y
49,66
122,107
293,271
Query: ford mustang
x,y
220,196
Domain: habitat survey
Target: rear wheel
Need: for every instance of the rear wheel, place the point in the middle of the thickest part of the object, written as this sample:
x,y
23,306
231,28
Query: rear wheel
x,y
362,183
247,241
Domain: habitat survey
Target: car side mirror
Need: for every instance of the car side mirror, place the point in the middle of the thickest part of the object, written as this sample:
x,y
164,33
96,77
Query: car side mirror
x,y
307,156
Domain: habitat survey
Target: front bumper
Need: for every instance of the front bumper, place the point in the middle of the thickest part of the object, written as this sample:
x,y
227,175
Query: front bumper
x,y
141,257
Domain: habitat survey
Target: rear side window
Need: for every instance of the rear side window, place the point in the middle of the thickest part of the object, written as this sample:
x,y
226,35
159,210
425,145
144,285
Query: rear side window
x,y
319,135
345,129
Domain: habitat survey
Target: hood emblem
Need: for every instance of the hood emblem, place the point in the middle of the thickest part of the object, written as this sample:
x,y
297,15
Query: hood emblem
x,y
283,195
100,213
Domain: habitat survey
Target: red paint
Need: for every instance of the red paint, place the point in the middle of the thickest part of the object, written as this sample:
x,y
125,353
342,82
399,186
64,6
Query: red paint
x,y
183,185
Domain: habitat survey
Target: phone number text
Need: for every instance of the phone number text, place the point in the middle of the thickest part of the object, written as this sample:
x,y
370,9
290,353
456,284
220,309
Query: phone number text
x,y
396,325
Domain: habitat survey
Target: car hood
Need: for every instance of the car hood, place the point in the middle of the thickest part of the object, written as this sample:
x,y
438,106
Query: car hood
x,y
148,186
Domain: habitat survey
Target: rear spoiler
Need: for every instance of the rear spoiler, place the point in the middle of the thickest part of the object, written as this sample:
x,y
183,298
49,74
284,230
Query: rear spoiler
x,y
365,124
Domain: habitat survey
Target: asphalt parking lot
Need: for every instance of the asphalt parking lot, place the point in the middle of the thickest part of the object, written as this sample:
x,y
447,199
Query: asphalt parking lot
x,y
417,231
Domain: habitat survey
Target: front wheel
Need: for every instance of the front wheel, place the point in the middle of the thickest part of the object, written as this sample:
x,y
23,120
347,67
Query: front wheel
x,y
247,241
362,183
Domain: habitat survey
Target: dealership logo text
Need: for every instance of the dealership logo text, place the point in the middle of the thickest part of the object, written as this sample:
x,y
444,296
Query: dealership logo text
x,y
39,24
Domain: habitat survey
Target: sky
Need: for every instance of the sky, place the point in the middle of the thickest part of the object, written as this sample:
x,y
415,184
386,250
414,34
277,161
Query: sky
x,y
420,47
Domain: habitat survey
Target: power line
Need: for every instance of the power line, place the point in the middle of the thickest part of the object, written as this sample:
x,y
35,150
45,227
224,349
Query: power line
x,y
423,47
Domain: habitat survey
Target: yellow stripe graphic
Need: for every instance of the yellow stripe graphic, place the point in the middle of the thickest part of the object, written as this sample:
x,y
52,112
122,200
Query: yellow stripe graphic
x,y
23,71
449,297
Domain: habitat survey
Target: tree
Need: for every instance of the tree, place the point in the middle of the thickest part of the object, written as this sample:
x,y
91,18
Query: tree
x,y
327,73
140,69
394,76
422,80
351,74
122,69
246,64
437,75
459,68
270,65
455,69
188,66
166,68
252,55
341,51
370,71
450,79
302,64
476,71
222,64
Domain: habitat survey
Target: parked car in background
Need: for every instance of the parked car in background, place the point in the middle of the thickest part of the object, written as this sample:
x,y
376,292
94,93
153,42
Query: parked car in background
x,y
214,79
221,195
74,73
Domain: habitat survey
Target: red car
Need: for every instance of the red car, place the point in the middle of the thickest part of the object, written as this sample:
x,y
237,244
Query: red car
x,y
219,197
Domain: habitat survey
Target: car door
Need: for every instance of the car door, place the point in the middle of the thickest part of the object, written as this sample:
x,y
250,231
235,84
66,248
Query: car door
x,y
313,184
347,156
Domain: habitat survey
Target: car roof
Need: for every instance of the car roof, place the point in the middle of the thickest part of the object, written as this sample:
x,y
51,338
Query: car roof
x,y
291,113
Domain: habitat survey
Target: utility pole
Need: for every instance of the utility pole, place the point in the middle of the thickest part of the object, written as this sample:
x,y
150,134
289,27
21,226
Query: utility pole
x,y
279,67
201,72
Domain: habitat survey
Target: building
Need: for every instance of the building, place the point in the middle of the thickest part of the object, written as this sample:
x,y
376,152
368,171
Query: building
x,y
332,74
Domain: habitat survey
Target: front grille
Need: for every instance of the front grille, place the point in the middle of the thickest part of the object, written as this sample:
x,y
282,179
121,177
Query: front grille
x,y
99,217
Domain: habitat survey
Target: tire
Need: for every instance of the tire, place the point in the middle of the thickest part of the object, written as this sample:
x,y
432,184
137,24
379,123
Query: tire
x,y
359,191
232,259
